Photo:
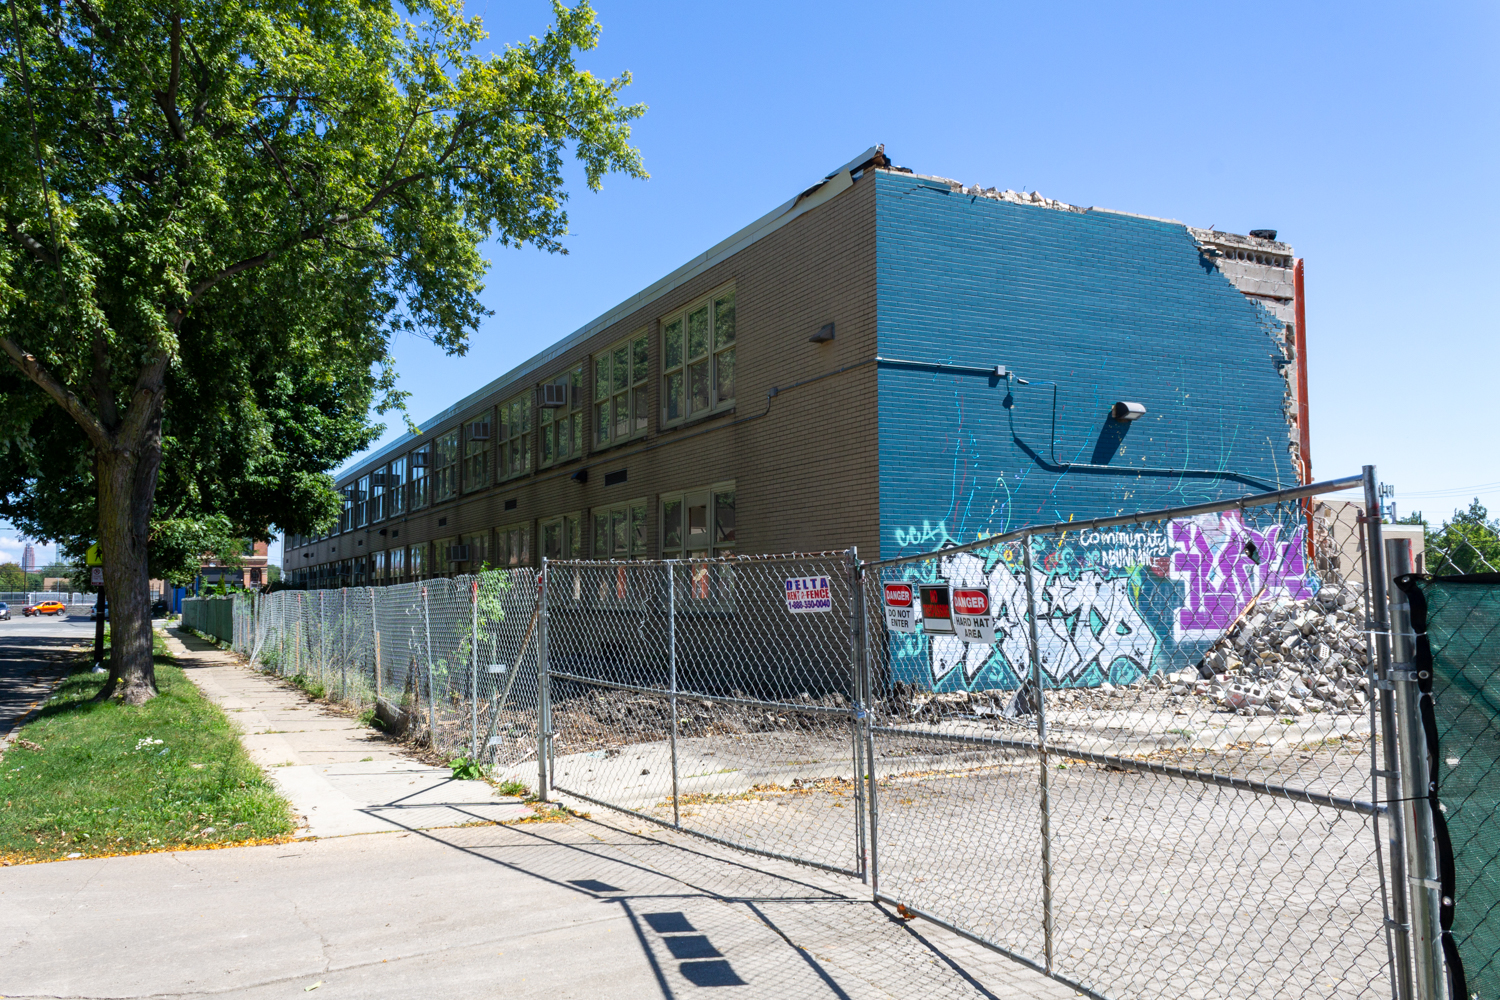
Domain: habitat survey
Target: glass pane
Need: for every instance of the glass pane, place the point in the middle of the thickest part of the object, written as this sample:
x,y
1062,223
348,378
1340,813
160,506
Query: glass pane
x,y
552,540
699,375
697,533
565,436
547,445
622,415
526,454
724,518
640,410
545,417
525,546
578,434
601,376
697,333
638,360
672,344
725,381
601,423
674,396
671,526
638,530
619,527
724,321
620,368
601,536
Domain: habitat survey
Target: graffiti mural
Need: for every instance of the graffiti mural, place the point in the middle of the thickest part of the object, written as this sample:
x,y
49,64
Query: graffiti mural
x,y
1112,605
1224,564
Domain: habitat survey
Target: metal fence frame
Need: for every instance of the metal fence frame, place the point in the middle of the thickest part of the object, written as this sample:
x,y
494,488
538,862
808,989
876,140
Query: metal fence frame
x,y
427,639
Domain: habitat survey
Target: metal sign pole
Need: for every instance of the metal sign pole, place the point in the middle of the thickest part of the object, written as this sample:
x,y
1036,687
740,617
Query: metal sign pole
x,y
1048,920
544,689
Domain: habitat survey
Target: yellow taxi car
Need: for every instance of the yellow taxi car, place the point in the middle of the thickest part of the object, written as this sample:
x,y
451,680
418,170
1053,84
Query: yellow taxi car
x,y
44,608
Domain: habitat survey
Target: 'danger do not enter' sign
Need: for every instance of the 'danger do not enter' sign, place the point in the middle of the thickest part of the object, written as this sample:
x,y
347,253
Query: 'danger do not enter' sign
x,y
900,615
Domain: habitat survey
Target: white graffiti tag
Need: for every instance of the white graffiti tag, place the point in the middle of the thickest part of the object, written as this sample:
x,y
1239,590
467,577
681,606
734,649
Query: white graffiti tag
x,y
1083,621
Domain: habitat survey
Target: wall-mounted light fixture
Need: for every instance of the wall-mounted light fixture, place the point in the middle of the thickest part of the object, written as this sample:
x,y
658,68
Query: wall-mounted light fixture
x,y
823,336
1127,412
581,476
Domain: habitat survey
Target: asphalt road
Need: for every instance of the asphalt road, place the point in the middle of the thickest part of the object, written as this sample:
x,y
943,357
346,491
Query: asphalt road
x,y
33,655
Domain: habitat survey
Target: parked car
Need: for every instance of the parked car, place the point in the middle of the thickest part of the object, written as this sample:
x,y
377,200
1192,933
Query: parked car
x,y
45,608
4,612
94,613
159,609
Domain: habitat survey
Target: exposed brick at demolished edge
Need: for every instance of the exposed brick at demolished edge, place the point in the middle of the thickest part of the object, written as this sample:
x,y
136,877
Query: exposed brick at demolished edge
x,y
825,378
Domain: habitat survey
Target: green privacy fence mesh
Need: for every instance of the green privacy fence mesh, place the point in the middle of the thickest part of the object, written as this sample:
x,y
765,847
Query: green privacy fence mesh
x,y
1457,621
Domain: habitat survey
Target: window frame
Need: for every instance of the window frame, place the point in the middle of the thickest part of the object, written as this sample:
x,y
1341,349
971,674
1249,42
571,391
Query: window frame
x,y
548,420
395,487
504,557
446,463
512,438
635,393
711,359
419,483
475,462
571,531
636,513
361,501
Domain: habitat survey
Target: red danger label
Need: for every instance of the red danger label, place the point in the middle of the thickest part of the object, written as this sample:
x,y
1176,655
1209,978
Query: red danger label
x,y
898,595
971,602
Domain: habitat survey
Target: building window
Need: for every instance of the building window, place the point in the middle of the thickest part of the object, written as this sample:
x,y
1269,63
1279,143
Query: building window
x,y
443,556
620,392
561,419
698,523
377,568
361,502
620,531
395,480
515,437
513,545
445,467
562,537
377,494
416,561
420,464
477,452
698,359
477,548
395,565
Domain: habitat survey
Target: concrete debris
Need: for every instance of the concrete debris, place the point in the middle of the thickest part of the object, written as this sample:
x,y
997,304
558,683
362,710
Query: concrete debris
x,y
1291,658
1021,198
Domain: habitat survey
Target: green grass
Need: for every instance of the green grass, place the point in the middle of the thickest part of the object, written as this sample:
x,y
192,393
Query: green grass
x,y
518,789
314,689
110,779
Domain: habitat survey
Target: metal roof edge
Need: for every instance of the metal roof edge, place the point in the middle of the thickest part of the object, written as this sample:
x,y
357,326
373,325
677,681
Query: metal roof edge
x,y
831,186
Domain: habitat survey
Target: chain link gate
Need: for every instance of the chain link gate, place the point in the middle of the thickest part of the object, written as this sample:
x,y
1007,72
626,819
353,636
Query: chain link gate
x,y
1140,754
713,696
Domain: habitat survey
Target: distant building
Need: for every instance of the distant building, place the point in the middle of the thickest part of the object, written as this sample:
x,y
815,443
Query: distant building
x,y
251,572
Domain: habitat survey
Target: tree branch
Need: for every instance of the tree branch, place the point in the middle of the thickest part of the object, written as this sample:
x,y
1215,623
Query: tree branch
x,y
167,100
33,369
37,250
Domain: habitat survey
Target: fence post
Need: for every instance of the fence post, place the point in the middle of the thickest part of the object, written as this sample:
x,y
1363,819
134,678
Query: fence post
x,y
672,678
375,630
544,688
344,643
474,671
1423,933
857,711
1041,742
431,697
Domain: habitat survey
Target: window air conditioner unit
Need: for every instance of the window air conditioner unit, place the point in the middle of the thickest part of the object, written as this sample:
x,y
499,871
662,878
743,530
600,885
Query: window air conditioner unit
x,y
458,553
479,430
555,394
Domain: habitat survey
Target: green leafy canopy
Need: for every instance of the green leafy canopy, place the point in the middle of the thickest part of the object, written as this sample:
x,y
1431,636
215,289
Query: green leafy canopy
x,y
216,215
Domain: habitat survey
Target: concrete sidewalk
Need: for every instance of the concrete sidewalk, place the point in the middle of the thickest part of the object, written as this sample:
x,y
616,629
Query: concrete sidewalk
x,y
582,909
341,777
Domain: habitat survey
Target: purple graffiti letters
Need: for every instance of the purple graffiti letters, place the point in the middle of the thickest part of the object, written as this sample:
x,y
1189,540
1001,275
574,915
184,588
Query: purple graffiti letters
x,y
1224,564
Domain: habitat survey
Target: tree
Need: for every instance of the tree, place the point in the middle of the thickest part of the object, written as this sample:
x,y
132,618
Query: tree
x,y
182,179
1469,543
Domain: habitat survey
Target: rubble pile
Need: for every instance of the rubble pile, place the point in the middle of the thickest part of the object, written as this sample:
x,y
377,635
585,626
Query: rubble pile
x,y
1290,658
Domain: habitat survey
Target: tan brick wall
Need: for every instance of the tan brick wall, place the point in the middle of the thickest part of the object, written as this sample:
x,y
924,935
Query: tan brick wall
x,y
806,468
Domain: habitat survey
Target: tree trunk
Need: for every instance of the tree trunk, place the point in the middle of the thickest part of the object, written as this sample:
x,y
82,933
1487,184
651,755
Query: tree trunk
x,y
127,485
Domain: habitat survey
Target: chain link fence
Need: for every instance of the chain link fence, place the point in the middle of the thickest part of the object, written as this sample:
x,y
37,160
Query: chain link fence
x,y
712,696
1137,754
450,661
1159,755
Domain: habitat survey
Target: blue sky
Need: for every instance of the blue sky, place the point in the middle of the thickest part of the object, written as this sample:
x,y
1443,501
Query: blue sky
x,y
1365,134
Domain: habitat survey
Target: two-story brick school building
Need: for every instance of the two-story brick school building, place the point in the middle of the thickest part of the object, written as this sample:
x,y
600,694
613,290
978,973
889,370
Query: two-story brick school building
x,y
888,360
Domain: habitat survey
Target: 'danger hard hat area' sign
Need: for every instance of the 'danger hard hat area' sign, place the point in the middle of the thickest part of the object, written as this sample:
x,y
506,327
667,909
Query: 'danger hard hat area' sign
x,y
972,617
